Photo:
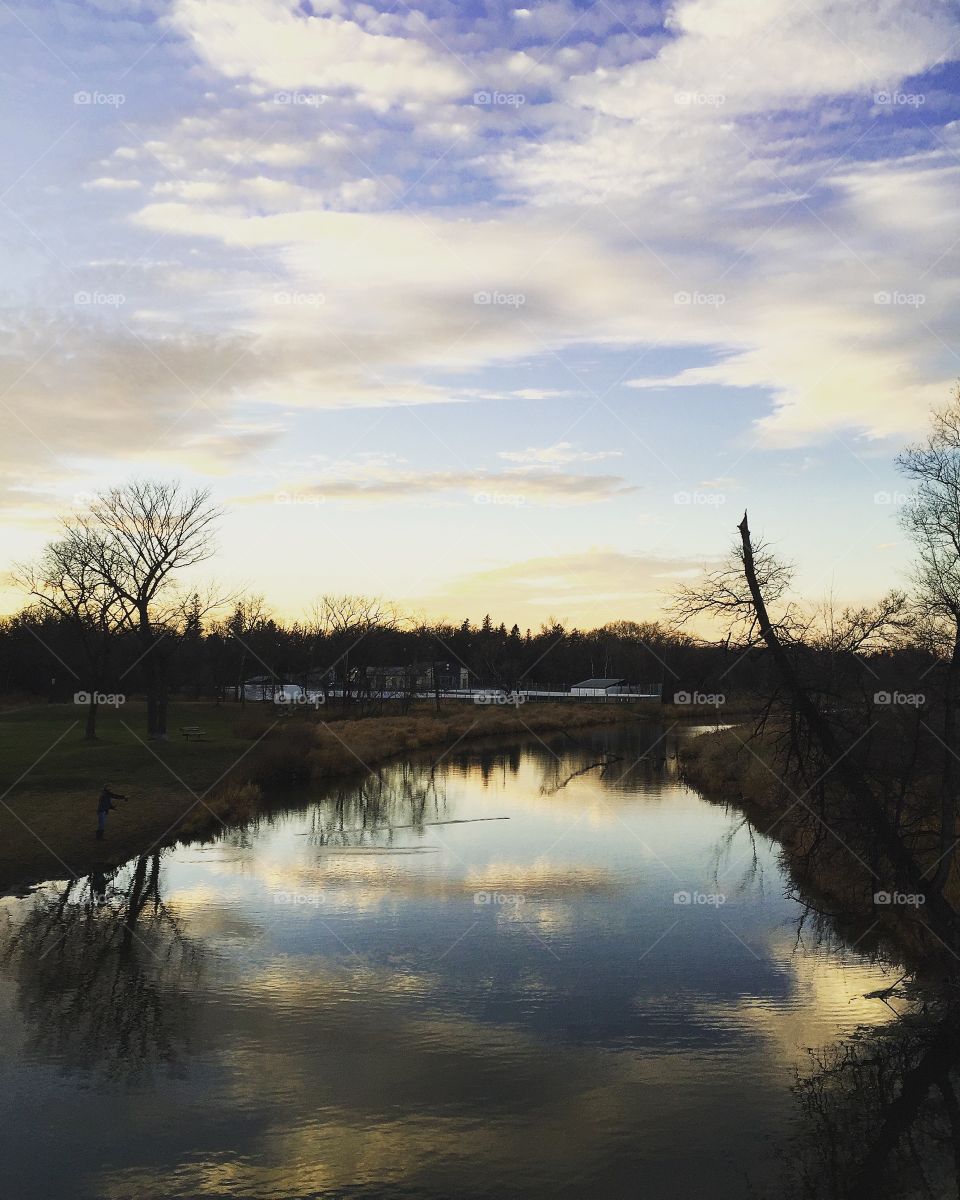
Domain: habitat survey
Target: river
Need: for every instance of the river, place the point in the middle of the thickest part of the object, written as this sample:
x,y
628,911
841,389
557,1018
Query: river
x,y
480,978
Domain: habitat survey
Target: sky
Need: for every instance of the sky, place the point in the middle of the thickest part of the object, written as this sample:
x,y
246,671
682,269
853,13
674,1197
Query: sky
x,y
475,307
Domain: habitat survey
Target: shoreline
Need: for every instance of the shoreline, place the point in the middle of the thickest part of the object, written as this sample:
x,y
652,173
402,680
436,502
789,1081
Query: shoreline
x,y
51,836
839,893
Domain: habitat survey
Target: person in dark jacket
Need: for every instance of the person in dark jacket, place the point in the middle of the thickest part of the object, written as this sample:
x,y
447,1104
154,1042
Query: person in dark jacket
x,y
104,804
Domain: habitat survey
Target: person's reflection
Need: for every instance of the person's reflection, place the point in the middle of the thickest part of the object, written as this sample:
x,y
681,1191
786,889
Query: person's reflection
x,y
104,971
98,887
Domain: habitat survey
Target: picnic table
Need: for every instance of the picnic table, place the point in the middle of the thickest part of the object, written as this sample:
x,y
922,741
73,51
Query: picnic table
x,y
193,731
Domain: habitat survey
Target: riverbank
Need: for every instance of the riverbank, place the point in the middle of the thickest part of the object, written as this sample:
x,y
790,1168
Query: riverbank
x,y
824,852
190,788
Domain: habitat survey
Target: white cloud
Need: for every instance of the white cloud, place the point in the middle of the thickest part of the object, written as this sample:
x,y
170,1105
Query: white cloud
x,y
106,183
275,44
374,480
760,200
559,454
597,583
756,57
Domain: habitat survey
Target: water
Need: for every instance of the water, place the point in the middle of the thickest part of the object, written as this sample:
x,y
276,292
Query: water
x,y
318,1005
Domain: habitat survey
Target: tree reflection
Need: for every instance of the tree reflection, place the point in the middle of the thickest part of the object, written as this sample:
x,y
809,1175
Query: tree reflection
x,y
880,1113
104,972
369,814
619,760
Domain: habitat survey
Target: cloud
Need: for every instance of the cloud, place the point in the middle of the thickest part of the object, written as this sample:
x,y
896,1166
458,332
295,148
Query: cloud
x,y
558,454
374,481
721,182
107,183
596,584
276,44
751,57
76,391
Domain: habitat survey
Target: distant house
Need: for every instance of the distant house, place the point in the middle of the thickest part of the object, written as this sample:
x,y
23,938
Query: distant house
x,y
419,677
259,687
597,687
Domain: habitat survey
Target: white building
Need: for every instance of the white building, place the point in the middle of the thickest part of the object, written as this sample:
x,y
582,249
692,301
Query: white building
x,y
597,687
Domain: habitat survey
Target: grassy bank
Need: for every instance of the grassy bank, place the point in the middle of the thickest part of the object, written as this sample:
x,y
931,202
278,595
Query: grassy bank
x,y
51,777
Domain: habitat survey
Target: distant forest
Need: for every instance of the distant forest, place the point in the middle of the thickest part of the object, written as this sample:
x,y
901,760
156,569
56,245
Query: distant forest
x,y
42,654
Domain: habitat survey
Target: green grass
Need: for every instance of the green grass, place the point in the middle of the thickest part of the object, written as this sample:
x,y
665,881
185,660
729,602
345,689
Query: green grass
x,y
47,742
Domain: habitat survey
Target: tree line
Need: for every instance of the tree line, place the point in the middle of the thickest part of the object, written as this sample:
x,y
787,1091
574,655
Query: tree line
x,y
107,613
107,616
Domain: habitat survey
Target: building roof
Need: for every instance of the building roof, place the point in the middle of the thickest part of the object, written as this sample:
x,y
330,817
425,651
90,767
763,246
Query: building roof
x,y
598,683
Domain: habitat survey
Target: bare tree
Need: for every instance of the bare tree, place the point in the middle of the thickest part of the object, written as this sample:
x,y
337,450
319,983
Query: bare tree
x,y
138,537
723,595
66,582
348,625
744,603
932,519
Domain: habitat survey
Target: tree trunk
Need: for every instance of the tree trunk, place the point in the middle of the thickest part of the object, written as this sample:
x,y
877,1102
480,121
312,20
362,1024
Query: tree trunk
x,y
91,731
907,872
162,709
948,793
152,720
149,667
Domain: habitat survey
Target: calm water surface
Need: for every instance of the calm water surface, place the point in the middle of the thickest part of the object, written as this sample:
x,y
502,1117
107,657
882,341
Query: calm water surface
x,y
465,982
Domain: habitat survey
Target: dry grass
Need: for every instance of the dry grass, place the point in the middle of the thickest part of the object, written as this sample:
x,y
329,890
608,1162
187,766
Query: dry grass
x,y
183,789
831,874
317,749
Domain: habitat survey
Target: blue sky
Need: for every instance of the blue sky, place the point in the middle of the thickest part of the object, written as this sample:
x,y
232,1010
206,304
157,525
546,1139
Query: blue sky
x,y
482,307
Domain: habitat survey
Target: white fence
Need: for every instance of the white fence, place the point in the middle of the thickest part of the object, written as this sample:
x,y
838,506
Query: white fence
x,y
293,694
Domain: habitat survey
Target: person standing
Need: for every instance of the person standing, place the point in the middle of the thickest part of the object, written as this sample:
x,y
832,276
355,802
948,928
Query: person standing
x,y
104,804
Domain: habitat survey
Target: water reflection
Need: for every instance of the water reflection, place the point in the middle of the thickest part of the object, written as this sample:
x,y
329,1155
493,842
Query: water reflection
x,y
372,813
881,1115
471,977
104,972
